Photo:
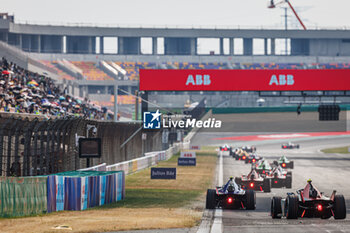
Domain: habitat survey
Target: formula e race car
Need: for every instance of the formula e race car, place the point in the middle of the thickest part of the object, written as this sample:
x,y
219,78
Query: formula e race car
x,y
253,158
226,149
310,203
249,149
290,145
263,167
236,152
230,196
254,181
241,155
280,178
284,162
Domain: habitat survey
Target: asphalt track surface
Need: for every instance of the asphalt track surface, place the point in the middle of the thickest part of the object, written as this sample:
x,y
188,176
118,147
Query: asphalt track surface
x,y
328,172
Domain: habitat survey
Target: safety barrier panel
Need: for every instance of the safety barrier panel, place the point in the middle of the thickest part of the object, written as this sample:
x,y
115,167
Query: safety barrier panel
x,y
150,159
20,196
75,190
79,190
100,167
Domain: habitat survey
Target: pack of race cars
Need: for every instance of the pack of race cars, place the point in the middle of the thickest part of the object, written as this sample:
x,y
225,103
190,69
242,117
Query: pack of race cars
x,y
239,193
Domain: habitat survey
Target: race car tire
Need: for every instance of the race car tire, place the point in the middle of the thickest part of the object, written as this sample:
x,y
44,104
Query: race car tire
x,y
250,200
292,207
289,173
246,161
275,163
288,181
276,208
298,146
291,164
211,199
339,207
267,185
238,180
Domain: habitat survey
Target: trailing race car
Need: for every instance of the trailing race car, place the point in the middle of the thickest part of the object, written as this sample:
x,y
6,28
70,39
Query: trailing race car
x,y
310,203
226,149
242,155
284,162
253,158
290,145
235,152
249,149
280,178
253,181
263,167
230,196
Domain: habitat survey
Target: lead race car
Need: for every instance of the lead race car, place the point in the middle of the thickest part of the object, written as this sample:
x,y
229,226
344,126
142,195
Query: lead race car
x,y
254,181
249,149
290,145
284,162
230,196
226,149
310,203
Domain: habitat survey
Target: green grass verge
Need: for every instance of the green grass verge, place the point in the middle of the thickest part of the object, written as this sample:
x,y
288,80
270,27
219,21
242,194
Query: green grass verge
x,y
340,150
190,184
155,198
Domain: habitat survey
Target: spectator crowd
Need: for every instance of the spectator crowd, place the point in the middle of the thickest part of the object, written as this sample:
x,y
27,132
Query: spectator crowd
x,y
22,91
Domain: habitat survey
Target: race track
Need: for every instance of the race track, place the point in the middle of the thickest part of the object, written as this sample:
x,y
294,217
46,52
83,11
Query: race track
x,y
328,172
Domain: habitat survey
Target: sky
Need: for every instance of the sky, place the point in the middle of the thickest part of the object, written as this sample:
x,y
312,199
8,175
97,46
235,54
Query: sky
x,y
189,13
181,14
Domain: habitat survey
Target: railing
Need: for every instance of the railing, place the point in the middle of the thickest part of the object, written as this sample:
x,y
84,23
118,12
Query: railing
x,y
30,145
174,26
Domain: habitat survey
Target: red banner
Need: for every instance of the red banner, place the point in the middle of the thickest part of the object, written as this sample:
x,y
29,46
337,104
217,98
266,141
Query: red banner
x,y
245,80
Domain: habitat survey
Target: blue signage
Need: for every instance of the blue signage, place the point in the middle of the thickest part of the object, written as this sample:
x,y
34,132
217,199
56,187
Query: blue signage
x,y
163,173
186,162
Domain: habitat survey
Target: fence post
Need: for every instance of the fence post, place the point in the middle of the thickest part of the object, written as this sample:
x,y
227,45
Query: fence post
x,y
9,146
47,154
27,153
56,133
64,132
16,165
2,132
36,150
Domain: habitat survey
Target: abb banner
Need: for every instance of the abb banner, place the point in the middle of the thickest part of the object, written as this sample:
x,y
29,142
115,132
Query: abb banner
x,y
195,147
245,80
188,154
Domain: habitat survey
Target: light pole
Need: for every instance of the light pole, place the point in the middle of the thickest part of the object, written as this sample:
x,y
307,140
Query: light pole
x,y
273,5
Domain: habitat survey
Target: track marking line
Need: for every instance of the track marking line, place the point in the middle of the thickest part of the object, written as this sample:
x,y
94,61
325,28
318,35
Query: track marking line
x,y
221,170
217,222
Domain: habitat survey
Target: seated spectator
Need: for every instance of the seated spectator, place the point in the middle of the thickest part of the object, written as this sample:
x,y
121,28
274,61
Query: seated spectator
x,y
22,91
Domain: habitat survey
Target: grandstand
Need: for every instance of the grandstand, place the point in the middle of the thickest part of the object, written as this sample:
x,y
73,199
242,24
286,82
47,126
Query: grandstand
x,y
90,71
87,71
22,91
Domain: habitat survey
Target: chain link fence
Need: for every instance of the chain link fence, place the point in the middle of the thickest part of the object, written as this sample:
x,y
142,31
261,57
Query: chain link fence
x,y
32,145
